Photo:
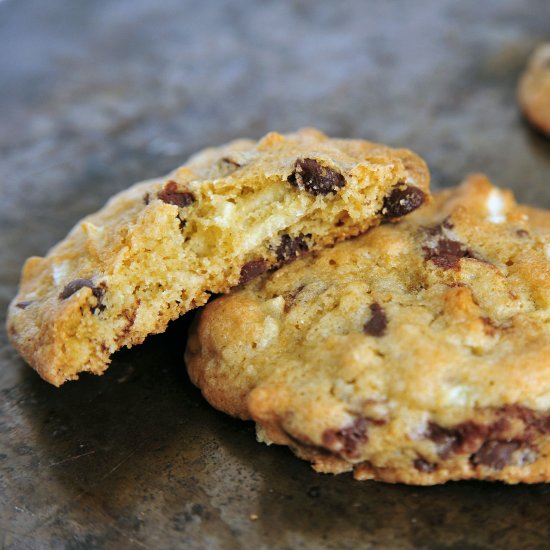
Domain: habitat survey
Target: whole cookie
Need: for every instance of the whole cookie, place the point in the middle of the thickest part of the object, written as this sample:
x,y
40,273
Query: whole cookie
x,y
416,353
163,247
534,89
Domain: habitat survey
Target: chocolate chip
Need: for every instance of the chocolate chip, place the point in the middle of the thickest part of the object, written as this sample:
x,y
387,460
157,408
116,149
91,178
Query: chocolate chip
x,y
533,422
402,200
77,284
525,414
461,438
470,435
495,454
424,466
98,291
74,286
24,305
347,440
493,444
289,248
447,253
146,199
171,195
522,233
444,438
252,269
315,178
229,160
376,325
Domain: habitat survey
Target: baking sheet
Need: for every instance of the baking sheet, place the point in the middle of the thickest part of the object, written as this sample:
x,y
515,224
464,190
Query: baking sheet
x,y
97,95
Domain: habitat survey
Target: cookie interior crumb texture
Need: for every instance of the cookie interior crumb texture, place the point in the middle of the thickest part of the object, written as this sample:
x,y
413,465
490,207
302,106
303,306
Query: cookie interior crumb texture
x,y
162,247
418,352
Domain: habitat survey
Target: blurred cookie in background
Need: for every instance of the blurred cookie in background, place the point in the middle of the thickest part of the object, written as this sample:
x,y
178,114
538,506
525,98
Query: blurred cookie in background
x,y
534,89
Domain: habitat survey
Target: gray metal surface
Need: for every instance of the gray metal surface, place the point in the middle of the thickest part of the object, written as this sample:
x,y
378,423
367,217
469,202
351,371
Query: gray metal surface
x,y
95,95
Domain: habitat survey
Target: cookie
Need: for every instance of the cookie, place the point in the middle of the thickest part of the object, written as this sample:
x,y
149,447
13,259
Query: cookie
x,y
416,353
163,247
534,89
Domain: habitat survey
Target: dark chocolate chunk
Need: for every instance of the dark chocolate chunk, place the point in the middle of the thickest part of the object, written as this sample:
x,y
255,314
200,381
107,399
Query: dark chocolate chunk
x,y
252,269
402,200
491,444
424,466
495,454
470,435
444,438
447,253
24,305
77,284
525,414
461,438
499,427
74,286
315,178
347,441
98,291
376,325
289,248
534,423
171,195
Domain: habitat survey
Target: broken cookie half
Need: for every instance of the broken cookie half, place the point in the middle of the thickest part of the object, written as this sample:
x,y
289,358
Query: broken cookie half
x,y
417,353
163,247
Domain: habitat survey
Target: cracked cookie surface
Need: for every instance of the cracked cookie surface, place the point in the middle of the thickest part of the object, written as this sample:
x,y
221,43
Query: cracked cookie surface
x,y
418,352
162,247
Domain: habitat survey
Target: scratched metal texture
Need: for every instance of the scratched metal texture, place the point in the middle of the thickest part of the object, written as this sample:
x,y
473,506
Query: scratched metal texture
x,y
96,95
